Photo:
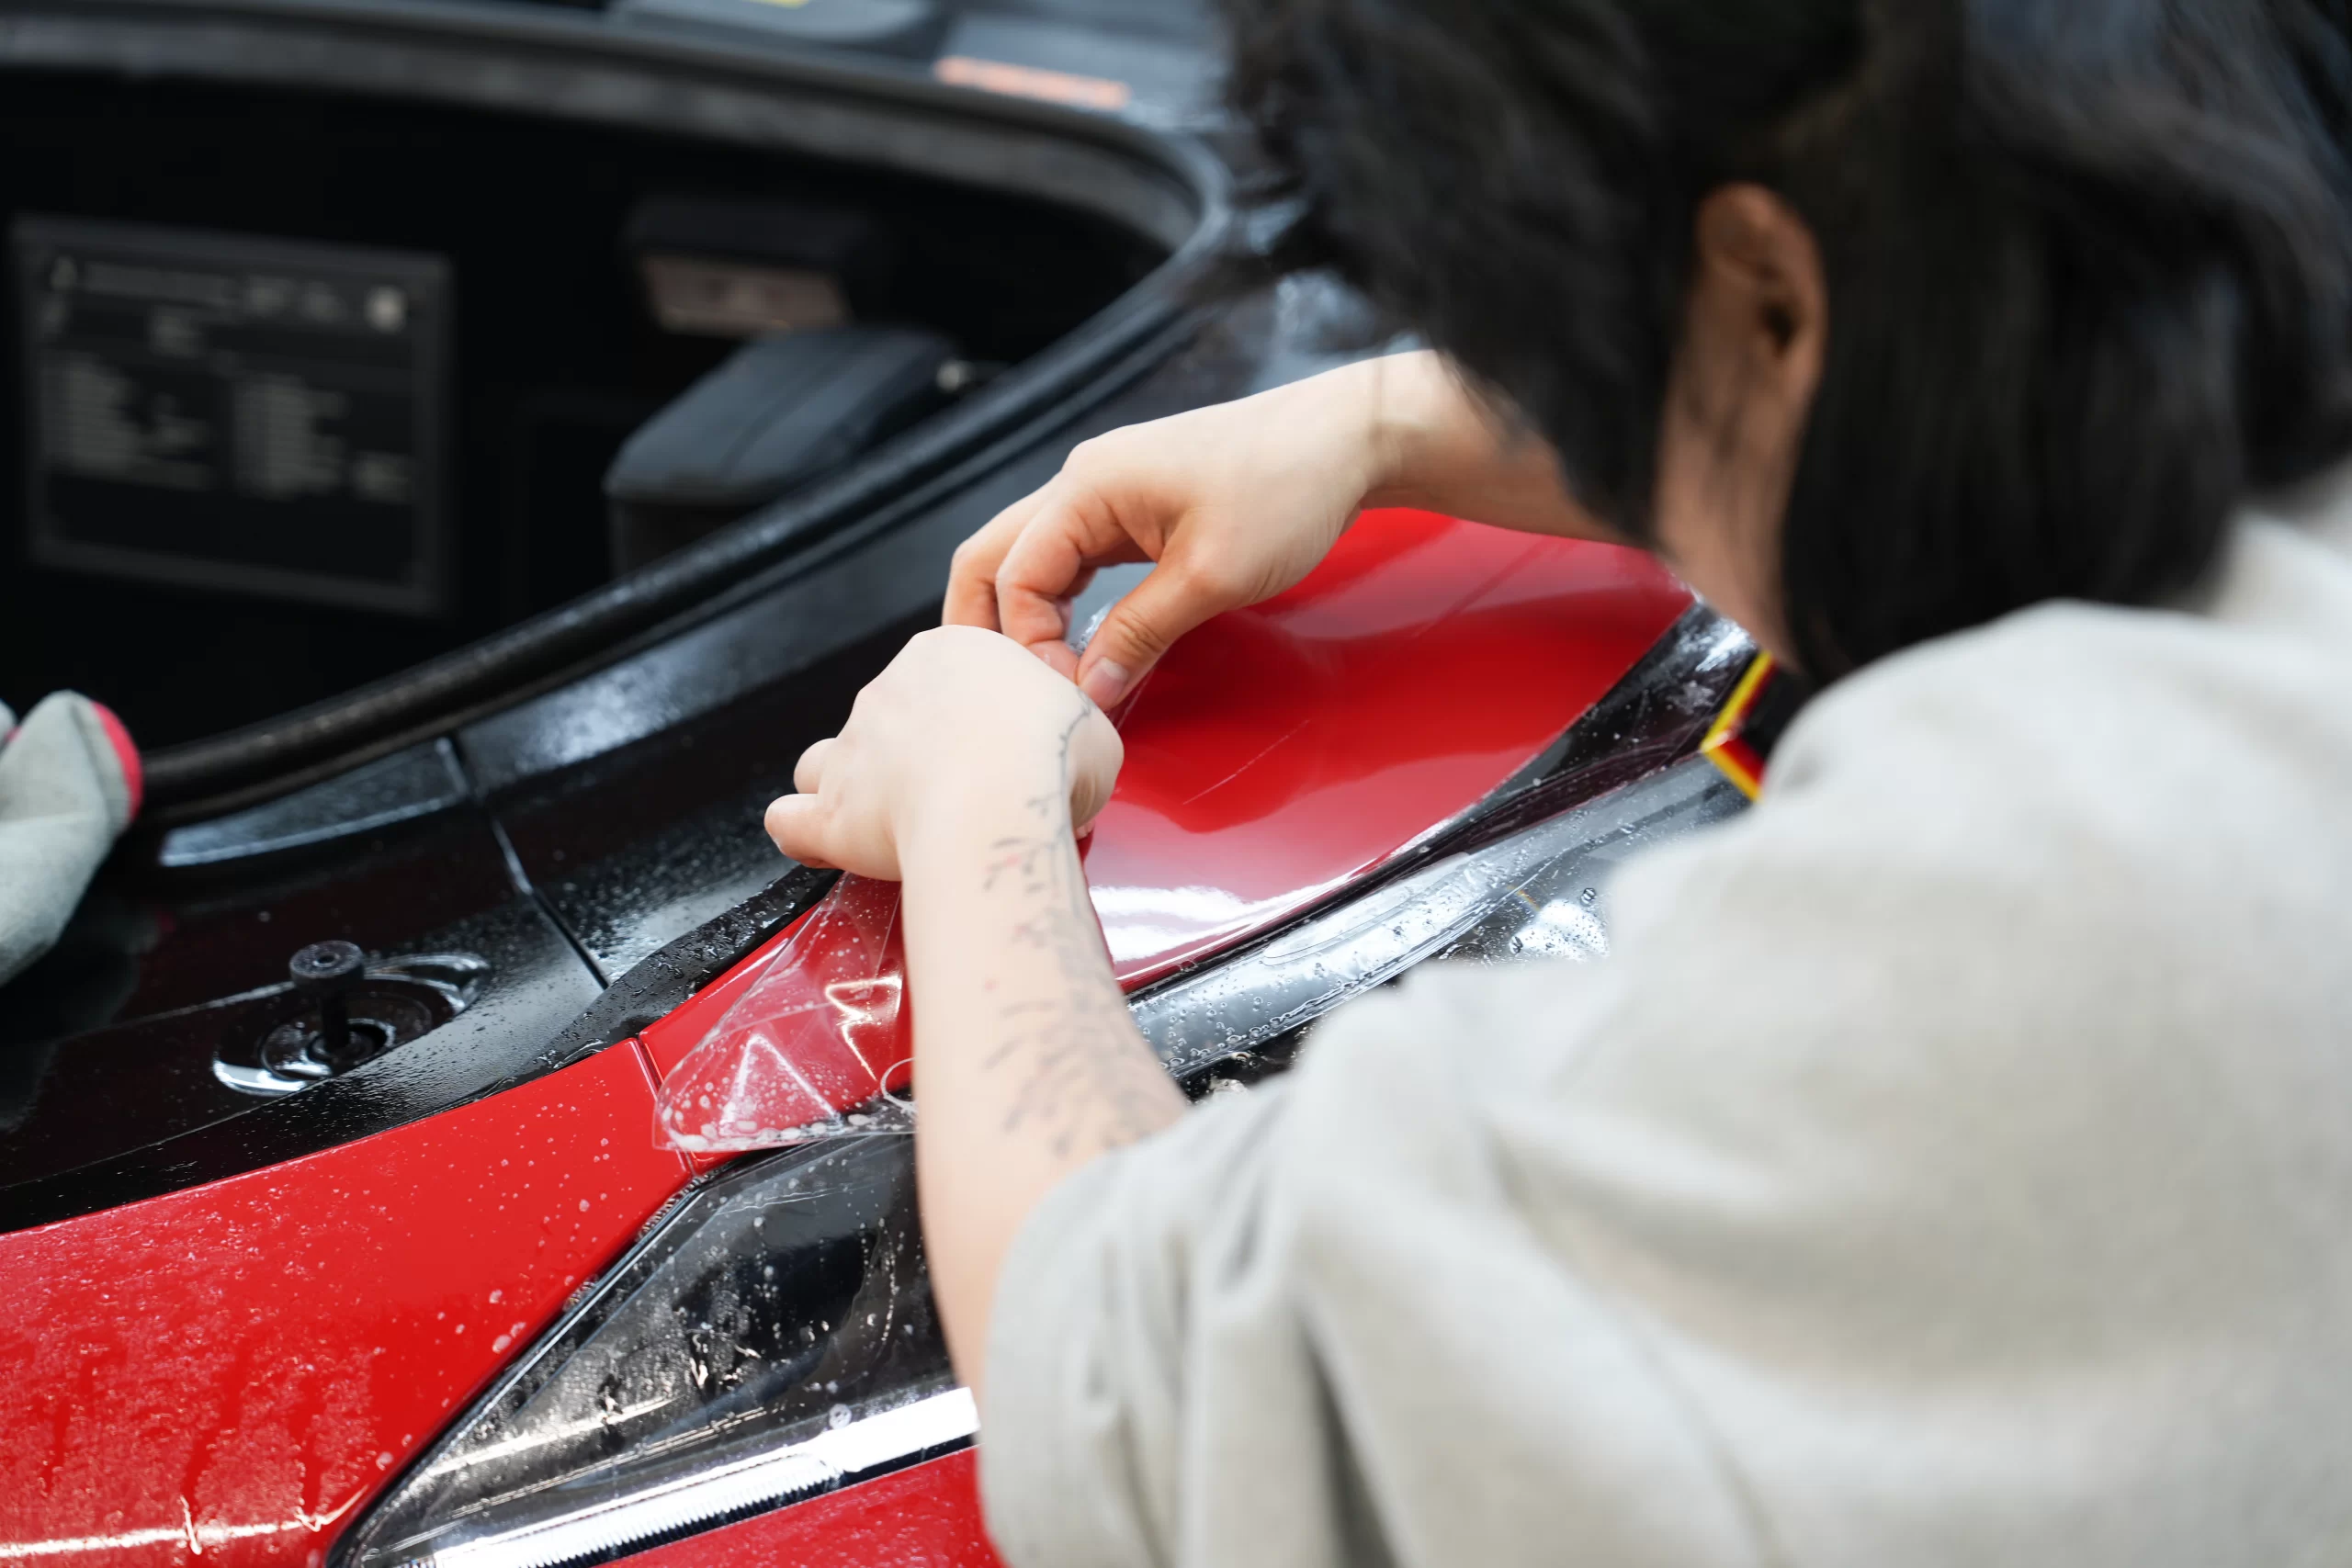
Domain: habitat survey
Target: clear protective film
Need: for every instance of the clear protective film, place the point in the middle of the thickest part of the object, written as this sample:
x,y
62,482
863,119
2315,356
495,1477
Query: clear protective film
x,y
820,1046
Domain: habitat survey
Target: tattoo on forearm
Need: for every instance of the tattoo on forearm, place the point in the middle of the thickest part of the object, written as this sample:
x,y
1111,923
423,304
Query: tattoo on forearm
x,y
1083,1081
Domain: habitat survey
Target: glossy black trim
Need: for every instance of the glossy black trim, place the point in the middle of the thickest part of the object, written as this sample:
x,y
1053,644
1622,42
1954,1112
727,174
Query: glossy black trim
x,y
505,1040
400,786
658,986
1654,717
1479,905
680,80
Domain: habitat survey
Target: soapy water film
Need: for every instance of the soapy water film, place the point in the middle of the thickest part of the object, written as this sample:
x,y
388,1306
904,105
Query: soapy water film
x,y
821,1045
818,1047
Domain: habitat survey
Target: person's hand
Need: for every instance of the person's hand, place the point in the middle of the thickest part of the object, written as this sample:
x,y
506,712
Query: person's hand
x,y
962,720
1235,503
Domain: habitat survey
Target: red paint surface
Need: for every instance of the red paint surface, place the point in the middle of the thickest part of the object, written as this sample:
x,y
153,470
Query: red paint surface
x,y
668,1040
925,1516
240,1366
823,1029
1281,752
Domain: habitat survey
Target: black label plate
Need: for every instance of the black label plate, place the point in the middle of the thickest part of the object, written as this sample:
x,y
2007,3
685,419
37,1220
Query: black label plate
x,y
230,412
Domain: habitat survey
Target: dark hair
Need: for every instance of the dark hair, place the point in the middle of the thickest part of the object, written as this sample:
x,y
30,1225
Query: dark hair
x,y
2089,262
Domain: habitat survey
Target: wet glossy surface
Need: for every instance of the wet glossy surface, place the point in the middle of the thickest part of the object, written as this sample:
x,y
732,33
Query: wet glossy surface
x,y
145,942
689,843
235,1371
1229,786
1281,750
135,1110
667,1041
1279,753
780,1312
414,781
820,1045
1271,806
1537,893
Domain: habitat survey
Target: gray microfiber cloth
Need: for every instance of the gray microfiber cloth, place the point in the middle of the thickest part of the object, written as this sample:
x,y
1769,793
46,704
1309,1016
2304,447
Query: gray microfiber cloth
x,y
69,785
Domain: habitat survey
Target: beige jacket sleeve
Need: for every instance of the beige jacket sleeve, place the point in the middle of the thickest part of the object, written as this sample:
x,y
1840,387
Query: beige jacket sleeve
x,y
1947,1168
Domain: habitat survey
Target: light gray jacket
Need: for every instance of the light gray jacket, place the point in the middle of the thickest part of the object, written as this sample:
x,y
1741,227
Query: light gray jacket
x,y
1950,1166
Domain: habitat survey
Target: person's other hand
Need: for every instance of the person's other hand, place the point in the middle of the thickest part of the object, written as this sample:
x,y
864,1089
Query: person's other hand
x,y
1234,503
962,719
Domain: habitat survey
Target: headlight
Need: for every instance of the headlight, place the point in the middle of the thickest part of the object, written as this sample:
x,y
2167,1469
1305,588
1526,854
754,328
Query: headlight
x,y
769,1338
772,1336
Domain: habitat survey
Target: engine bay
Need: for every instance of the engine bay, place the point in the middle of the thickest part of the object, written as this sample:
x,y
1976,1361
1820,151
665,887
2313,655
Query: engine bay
x,y
308,386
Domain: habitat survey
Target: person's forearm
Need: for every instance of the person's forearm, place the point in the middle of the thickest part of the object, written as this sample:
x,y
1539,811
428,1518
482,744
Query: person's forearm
x,y
1435,445
1026,1063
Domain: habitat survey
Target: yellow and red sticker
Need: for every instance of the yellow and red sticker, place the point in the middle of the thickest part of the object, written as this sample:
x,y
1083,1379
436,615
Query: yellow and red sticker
x,y
1729,743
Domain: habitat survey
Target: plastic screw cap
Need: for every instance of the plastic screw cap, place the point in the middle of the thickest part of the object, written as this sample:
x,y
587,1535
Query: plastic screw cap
x,y
326,966
326,970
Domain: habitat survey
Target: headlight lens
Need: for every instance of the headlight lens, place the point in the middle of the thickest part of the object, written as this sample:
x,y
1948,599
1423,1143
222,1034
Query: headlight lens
x,y
769,1338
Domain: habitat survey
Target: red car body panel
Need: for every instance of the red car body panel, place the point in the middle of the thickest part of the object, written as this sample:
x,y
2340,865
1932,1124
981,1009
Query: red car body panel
x,y
235,1370
1281,752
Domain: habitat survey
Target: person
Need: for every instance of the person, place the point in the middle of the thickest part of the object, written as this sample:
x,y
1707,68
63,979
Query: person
x,y
1948,1166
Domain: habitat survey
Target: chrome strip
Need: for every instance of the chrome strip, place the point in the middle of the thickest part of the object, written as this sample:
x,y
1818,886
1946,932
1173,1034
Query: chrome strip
x,y
840,1454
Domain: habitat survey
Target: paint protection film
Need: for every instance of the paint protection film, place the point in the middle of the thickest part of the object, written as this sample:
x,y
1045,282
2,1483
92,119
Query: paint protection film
x,y
820,1046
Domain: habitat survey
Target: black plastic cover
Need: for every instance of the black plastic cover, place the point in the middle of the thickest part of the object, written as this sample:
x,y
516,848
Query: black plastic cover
x,y
849,244
780,412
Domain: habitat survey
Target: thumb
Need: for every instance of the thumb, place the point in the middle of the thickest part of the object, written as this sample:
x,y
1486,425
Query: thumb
x,y
1140,628
796,822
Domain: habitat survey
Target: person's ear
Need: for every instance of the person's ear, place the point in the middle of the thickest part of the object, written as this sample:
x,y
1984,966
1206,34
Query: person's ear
x,y
1755,333
1758,307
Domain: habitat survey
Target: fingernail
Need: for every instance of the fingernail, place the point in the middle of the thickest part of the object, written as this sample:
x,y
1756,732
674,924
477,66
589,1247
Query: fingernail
x,y
1105,683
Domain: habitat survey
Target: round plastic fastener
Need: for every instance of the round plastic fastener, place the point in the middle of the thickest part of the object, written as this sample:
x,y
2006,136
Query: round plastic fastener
x,y
326,971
